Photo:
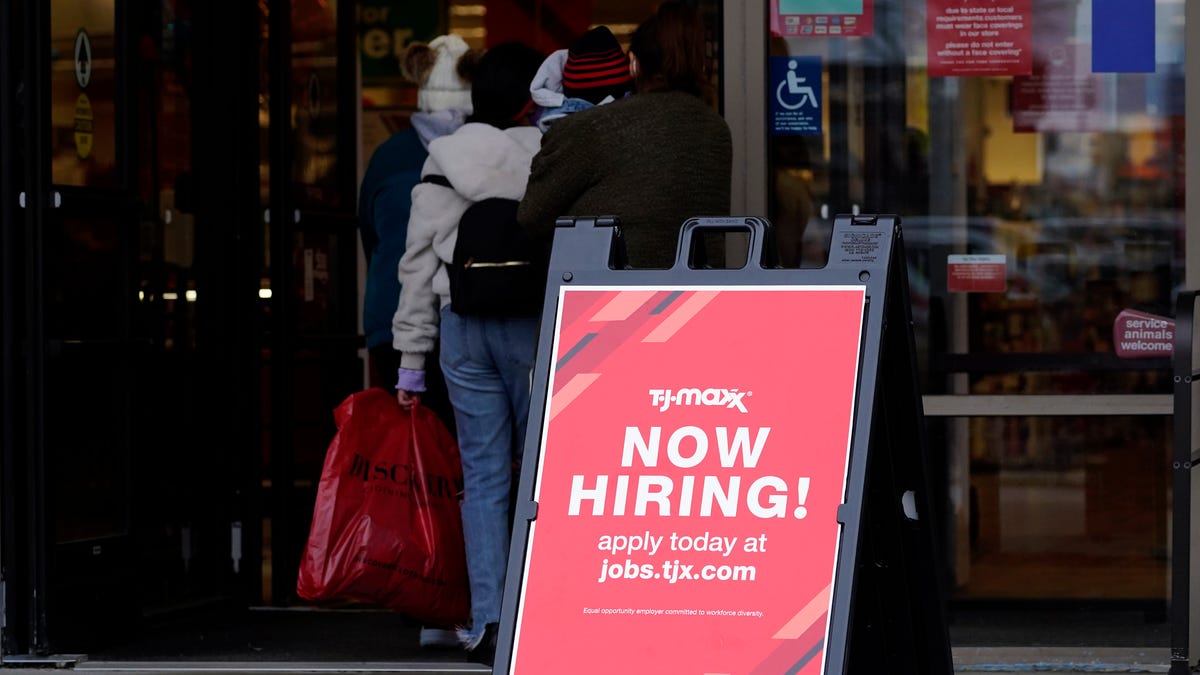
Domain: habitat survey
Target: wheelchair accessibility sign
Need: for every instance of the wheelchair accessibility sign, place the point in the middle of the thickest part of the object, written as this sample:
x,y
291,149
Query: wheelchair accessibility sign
x,y
796,99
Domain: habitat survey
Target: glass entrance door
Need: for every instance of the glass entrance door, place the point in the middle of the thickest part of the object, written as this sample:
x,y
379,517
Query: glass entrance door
x,y
124,446
307,275
80,349
1042,206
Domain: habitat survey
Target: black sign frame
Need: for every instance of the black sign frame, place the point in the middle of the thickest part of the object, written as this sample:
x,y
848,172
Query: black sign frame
x,y
889,596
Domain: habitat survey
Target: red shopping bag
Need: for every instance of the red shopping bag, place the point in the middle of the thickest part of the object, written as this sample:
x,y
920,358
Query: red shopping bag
x,y
386,529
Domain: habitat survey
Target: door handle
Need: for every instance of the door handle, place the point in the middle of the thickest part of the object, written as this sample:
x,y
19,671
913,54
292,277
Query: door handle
x,y
55,199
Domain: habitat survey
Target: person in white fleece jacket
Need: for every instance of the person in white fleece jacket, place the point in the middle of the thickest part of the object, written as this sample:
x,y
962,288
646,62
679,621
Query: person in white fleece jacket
x,y
486,361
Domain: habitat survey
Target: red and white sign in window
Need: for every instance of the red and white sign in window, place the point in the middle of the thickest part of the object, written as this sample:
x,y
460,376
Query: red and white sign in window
x,y
976,274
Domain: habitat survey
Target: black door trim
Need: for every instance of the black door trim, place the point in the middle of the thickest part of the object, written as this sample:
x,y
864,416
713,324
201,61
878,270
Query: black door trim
x,y
10,629
36,78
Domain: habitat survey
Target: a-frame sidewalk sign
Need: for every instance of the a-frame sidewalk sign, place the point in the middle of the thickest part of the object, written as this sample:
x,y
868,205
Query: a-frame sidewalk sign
x,y
726,469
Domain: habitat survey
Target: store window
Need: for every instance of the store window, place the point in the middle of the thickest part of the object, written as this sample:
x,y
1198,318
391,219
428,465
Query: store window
x,y
1038,172
83,86
386,27
314,109
167,288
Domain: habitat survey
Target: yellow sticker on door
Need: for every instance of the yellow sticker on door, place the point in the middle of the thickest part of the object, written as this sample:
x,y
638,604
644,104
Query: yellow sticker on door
x,y
84,123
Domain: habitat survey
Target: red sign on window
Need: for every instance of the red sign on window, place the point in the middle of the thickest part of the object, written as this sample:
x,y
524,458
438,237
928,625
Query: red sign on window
x,y
1061,95
1138,335
687,496
979,37
976,274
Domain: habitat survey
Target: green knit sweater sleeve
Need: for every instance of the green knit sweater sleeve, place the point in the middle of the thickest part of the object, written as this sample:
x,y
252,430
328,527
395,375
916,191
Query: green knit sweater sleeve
x,y
559,175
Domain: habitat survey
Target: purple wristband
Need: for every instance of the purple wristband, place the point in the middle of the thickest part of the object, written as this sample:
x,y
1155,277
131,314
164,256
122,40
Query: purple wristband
x,y
409,379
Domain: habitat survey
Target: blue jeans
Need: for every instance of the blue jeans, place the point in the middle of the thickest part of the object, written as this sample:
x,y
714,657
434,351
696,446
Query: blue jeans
x,y
487,364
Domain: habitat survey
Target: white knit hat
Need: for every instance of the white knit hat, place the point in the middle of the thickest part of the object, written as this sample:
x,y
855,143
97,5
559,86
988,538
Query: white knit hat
x,y
442,88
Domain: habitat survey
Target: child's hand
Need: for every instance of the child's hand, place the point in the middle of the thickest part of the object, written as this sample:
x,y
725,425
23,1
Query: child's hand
x,y
407,399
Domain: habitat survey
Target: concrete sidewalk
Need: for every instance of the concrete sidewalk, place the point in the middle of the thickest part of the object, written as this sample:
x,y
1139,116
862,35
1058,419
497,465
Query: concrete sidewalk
x,y
966,660
1060,660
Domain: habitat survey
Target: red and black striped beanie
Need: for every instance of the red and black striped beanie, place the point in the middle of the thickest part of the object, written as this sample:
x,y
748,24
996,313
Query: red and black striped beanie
x,y
596,67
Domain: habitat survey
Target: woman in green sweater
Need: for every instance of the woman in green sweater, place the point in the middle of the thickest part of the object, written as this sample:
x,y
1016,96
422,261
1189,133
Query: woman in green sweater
x,y
653,159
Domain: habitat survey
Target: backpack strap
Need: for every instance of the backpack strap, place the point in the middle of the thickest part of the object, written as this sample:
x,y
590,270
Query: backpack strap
x,y
437,179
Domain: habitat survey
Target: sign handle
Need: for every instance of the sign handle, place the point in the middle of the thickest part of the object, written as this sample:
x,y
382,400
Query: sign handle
x,y
761,233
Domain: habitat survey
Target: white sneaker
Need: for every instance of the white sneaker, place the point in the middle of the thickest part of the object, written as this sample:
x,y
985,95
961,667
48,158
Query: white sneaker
x,y
439,637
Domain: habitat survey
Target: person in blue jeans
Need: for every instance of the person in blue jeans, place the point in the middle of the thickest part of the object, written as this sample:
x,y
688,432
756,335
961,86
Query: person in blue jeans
x,y
486,361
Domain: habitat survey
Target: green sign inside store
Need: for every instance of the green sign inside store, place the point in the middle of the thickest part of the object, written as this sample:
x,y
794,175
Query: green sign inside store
x,y
385,27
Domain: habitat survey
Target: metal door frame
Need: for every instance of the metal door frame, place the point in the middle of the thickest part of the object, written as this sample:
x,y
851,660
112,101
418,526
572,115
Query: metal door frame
x,y
23,469
9,382
1192,256
283,505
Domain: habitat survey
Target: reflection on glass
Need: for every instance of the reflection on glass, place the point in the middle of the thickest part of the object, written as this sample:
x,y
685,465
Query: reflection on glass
x,y
1036,209
90,477
81,276
1065,507
167,292
1071,179
314,103
83,115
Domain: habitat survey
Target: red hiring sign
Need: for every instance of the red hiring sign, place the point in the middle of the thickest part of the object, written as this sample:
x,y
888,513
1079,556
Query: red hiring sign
x,y
693,458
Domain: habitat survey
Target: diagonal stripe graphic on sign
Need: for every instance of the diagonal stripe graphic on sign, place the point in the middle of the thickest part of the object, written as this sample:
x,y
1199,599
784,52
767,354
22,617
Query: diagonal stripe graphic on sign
x,y
788,653
623,305
808,656
574,315
679,318
662,306
570,391
610,336
806,617
575,350
578,312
